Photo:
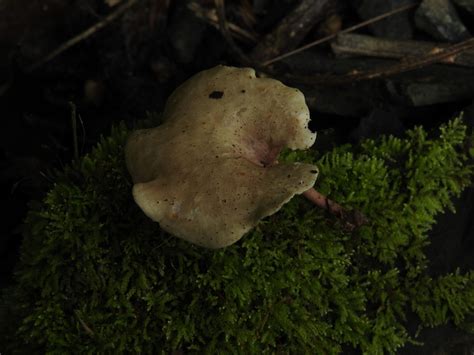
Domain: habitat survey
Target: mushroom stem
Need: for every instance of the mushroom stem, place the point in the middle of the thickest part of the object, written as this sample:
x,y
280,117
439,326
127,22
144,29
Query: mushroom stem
x,y
352,219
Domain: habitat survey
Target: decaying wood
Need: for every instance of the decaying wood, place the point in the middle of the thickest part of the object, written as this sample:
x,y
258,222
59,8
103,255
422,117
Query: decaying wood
x,y
363,45
291,30
414,63
385,72
334,35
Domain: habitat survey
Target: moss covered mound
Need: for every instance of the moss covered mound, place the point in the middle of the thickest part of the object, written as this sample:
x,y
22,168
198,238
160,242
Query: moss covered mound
x,y
97,276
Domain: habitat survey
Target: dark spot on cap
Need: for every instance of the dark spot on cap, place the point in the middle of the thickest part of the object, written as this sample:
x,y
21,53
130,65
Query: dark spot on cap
x,y
242,91
216,94
313,171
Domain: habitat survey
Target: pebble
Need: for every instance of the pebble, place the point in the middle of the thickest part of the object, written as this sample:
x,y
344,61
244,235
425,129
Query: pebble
x,y
440,19
398,26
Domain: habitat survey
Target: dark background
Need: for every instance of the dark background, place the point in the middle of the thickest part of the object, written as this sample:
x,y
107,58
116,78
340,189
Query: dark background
x,y
127,69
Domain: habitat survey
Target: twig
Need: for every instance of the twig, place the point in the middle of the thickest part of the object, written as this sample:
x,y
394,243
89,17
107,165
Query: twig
x,y
331,36
264,320
224,29
82,36
352,219
379,73
83,133
435,56
84,325
74,130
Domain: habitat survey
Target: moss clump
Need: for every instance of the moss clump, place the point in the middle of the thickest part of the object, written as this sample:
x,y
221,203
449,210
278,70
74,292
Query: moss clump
x,y
96,276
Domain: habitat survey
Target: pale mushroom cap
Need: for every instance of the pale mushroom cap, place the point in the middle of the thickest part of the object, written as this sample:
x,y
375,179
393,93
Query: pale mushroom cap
x,y
208,173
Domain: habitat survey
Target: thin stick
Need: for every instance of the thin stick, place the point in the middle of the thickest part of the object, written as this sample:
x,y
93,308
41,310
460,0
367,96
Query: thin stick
x,y
334,35
352,219
411,64
83,133
403,66
369,46
84,325
82,36
74,130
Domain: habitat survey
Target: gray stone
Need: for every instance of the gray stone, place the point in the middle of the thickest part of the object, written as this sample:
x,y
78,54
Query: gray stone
x,y
440,19
433,85
353,101
398,26
423,94
376,123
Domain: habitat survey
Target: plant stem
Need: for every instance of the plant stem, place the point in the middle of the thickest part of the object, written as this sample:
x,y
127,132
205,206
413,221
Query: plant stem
x,y
352,218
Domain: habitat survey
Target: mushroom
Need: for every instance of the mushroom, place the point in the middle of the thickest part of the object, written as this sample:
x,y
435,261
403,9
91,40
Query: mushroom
x,y
209,172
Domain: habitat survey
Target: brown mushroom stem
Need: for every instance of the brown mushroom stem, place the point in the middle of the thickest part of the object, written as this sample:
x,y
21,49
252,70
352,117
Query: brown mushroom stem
x,y
323,202
352,219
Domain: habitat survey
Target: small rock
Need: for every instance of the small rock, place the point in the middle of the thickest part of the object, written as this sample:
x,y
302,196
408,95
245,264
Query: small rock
x,y
434,85
421,94
376,123
440,19
350,102
397,26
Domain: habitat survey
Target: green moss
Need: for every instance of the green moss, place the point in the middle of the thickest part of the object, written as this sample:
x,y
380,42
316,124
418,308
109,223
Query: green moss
x,y
97,276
